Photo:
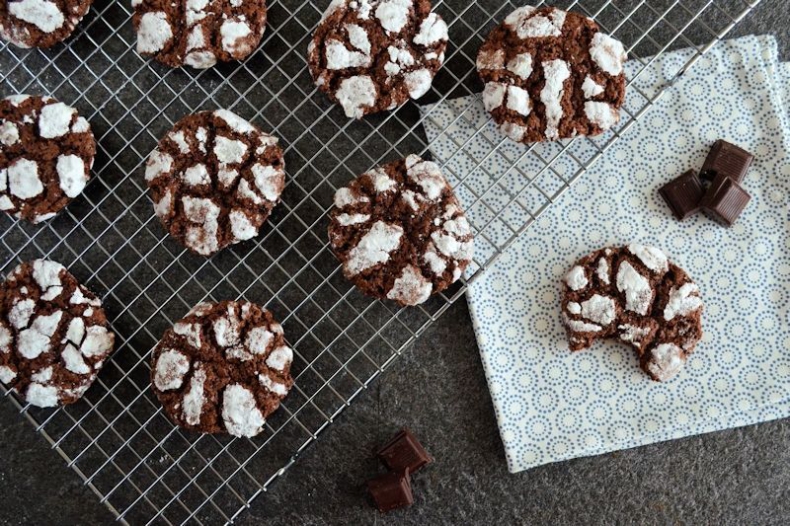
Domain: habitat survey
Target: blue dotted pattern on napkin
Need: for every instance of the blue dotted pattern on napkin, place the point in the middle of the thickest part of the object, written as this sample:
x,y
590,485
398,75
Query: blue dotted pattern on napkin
x,y
552,404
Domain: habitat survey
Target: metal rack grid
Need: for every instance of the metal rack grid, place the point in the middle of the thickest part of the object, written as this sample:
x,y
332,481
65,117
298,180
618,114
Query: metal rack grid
x,y
117,439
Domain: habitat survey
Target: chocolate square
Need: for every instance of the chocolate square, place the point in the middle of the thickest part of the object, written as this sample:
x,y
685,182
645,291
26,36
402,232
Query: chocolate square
x,y
683,194
404,451
391,491
728,160
725,200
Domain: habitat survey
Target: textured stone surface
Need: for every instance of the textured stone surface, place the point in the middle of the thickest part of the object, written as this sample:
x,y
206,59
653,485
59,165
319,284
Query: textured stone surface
x,y
739,476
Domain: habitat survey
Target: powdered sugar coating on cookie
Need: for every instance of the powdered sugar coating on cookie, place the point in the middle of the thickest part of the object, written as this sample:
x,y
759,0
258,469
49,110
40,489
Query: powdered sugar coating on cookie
x,y
46,154
355,37
572,89
199,33
214,179
240,412
634,293
224,367
664,361
51,348
399,231
526,23
40,23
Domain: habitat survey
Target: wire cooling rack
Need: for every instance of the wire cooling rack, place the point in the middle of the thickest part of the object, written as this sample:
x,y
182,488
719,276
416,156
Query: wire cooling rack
x,y
142,467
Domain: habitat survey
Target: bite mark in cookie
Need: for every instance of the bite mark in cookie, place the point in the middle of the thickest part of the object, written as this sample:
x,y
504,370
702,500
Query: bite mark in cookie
x,y
636,294
399,232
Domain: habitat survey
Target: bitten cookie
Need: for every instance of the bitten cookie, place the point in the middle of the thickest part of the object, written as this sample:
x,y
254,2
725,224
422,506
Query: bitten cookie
x,y
214,179
223,368
40,23
198,33
46,154
636,294
53,334
371,55
399,232
551,74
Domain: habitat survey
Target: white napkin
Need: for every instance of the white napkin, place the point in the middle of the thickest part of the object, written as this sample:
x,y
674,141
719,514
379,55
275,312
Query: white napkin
x,y
552,404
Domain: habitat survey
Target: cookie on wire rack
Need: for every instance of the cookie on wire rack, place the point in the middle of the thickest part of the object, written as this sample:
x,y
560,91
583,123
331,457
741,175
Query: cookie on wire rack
x,y
46,154
54,336
400,232
551,74
40,23
634,293
214,179
374,55
223,368
198,33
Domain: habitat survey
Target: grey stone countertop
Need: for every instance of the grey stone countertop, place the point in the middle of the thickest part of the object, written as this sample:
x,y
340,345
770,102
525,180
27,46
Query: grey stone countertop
x,y
438,389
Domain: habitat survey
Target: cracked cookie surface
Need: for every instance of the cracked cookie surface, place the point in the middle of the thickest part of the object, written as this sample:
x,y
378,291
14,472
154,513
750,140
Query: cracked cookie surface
x,y
54,338
40,23
198,33
46,154
635,294
400,233
223,368
551,74
214,179
374,55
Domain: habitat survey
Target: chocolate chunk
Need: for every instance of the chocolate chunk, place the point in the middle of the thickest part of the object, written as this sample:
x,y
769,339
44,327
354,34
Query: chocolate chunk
x,y
404,451
726,159
391,491
683,194
725,200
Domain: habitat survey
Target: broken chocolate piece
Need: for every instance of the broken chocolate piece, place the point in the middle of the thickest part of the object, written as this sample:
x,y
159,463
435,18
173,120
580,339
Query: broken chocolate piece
x,y
404,451
683,194
725,200
391,491
728,160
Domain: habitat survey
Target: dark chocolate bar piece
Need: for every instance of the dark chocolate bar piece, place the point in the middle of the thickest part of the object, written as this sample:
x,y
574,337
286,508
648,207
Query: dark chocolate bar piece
x,y
391,491
404,451
725,200
683,194
728,160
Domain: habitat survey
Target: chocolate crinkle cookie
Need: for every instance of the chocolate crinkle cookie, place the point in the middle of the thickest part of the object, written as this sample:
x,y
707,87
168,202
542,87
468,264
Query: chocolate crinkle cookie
x,y
214,179
46,154
198,33
40,23
223,368
400,233
636,294
551,74
53,334
371,55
